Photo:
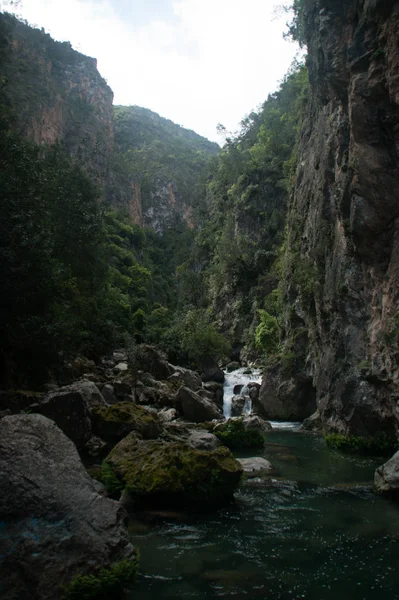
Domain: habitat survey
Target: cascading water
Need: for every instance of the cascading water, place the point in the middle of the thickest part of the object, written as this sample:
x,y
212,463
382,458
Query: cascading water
x,y
238,377
241,377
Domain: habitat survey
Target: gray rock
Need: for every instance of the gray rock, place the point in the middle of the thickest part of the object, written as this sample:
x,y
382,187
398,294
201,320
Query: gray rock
x,y
69,409
313,423
167,414
212,372
255,423
255,466
54,523
237,406
216,389
122,366
202,440
108,393
293,399
232,366
89,391
237,388
386,478
119,356
194,408
186,377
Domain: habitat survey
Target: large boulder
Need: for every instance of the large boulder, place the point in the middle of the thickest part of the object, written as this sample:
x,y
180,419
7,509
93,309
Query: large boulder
x,y
150,360
217,391
291,399
194,408
255,466
88,390
54,524
186,377
232,366
211,372
242,432
113,423
68,408
163,473
386,478
203,440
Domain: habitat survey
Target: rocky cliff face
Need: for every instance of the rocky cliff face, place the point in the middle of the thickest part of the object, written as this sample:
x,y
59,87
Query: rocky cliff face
x,y
342,260
56,95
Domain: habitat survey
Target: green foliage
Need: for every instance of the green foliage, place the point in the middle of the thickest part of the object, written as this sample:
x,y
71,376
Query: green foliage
x,y
107,583
379,445
109,479
267,335
247,196
234,435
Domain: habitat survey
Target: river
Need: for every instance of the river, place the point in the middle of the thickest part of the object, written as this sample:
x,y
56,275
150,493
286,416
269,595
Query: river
x,y
315,531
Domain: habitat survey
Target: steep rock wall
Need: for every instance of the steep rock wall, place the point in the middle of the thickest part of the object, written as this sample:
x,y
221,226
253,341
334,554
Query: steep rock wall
x,y
56,95
342,259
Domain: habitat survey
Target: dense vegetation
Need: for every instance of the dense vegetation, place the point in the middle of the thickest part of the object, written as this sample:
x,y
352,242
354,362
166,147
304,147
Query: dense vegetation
x,y
155,153
247,196
80,277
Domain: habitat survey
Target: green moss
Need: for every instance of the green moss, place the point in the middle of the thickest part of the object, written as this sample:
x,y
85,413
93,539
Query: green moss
x,y
382,444
112,483
106,584
172,471
234,435
112,423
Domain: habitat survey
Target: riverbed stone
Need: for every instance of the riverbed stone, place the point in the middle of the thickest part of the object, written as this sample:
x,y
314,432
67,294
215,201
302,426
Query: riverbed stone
x,y
202,440
54,524
232,366
173,474
194,408
113,423
237,405
255,466
186,377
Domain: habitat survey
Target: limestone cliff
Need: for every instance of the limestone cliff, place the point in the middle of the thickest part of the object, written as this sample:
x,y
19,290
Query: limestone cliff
x,y
342,258
157,169
56,95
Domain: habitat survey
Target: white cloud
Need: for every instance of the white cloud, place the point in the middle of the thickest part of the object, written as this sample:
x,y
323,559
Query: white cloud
x,y
215,62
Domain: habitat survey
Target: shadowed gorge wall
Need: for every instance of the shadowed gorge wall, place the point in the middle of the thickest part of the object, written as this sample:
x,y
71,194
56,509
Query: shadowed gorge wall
x,y
342,257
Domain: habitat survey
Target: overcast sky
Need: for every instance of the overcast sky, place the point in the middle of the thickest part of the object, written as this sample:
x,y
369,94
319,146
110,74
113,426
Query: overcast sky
x,y
197,62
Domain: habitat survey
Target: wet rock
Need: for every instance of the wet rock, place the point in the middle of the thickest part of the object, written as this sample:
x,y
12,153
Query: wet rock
x,y
237,405
173,474
113,423
255,423
386,478
232,366
55,525
186,377
216,389
237,388
202,440
313,423
196,409
255,466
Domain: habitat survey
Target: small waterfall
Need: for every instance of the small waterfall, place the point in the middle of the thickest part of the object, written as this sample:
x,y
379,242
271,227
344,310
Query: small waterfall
x,y
238,378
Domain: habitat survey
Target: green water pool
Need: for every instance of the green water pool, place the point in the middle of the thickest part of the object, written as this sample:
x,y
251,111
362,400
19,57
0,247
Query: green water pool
x,y
315,531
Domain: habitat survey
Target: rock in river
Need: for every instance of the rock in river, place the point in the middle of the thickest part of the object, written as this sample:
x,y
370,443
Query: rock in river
x,y
163,474
53,524
386,478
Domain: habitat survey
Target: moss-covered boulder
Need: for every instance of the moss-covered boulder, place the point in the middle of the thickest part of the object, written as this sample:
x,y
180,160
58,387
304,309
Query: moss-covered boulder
x,y
235,434
164,473
113,423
